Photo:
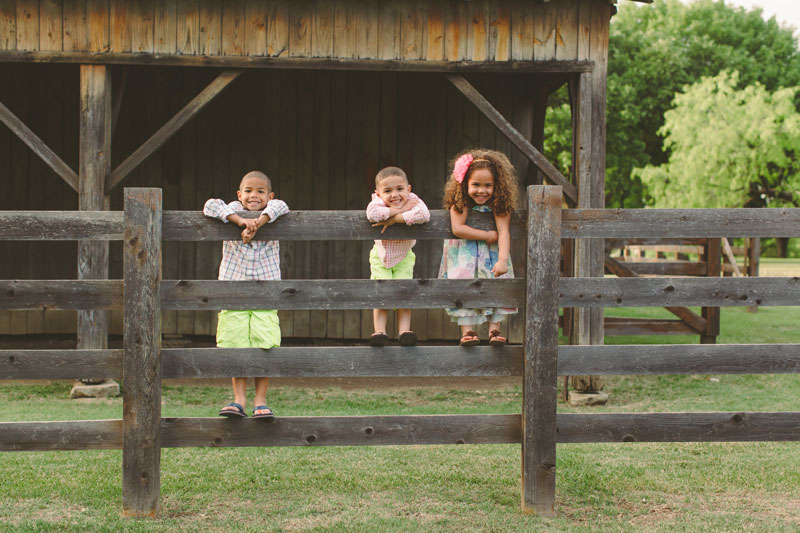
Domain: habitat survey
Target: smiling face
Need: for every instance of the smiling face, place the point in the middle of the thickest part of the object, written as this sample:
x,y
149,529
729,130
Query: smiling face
x,y
480,186
393,190
254,192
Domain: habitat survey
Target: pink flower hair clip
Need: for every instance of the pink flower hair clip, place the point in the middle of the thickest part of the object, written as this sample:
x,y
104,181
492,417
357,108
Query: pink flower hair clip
x,y
461,167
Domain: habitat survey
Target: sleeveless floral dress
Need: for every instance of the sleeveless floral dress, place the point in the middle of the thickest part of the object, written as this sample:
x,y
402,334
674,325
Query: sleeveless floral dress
x,y
466,259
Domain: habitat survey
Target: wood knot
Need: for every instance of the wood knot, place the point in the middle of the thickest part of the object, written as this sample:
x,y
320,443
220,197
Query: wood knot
x,y
628,438
737,418
368,430
290,290
669,288
310,438
11,294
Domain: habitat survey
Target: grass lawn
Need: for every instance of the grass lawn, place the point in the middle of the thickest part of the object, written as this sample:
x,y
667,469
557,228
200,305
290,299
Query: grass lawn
x,y
600,487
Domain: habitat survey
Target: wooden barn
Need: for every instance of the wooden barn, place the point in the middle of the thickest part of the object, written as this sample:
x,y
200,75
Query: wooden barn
x,y
188,95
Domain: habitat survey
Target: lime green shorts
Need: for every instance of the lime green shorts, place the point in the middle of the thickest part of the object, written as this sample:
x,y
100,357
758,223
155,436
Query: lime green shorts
x,y
248,329
402,270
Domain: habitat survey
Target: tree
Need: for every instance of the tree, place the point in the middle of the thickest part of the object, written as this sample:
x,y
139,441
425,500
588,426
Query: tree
x,y
728,147
655,50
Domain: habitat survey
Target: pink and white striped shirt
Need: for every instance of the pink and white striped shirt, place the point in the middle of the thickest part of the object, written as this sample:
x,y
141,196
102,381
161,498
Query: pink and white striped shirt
x,y
392,252
254,260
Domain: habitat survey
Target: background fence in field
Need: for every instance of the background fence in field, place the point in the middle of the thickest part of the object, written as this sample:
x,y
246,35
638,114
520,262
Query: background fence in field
x,y
142,363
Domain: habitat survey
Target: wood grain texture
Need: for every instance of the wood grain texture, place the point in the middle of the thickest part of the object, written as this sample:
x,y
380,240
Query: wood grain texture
x,y
341,294
342,431
663,292
60,364
333,361
70,435
680,223
679,427
539,383
283,61
141,406
680,359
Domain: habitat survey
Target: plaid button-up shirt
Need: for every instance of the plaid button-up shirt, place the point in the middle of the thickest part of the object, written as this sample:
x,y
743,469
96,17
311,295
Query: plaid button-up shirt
x,y
254,260
392,252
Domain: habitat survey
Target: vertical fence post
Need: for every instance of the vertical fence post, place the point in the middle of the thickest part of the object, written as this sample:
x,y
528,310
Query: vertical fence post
x,y
540,387
141,368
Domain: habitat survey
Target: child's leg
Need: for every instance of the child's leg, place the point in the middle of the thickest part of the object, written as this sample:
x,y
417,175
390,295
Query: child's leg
x,y
403,320
240,391
379,319
260,398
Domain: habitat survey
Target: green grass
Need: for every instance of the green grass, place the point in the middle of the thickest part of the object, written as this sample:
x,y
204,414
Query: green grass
x,y
600,487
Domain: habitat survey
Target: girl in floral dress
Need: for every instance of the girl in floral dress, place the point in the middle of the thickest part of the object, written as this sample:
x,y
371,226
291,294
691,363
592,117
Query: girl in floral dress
x,y
484,181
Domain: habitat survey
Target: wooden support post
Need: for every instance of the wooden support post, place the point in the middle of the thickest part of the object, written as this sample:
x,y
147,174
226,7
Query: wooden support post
x,y
713,259
540,386
141,365
589,253
94,166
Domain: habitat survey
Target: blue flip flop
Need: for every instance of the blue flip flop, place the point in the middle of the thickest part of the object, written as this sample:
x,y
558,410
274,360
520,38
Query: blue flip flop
x,y
236,412
263,408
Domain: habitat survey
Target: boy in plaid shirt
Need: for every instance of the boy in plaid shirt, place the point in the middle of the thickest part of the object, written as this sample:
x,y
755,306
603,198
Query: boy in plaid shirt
x,y
393,203
246,260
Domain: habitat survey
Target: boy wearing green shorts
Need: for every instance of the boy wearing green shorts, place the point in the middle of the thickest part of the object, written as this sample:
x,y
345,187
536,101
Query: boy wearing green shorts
x,y
246,260
392,203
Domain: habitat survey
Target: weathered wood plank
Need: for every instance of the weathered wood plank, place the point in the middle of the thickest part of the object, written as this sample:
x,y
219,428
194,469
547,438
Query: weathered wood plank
x,y
209,27
300,20
342,431
338,294
663,292
283,61
71,435
44,152
141,407
456,30
679,427
567,30
539,384
233,28
171,127
278,30
27,24
120,27
190,30
165,27
680,359
478,34
712,255
8,25
99,20
544,30
256,28
434,31
60,364
683,223
141,20
500,31
366,30
522,30
51,24
513,135
322,29
345,14
329,361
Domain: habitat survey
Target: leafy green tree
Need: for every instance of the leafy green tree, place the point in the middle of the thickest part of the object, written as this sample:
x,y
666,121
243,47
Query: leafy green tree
x,y
728,147
655,50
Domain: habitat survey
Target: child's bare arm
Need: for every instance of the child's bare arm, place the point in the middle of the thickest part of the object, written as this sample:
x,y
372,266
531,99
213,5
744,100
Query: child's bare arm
x,y
503,223
459,227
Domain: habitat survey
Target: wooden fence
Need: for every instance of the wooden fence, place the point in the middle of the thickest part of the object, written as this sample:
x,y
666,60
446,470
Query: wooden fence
x,y
142,363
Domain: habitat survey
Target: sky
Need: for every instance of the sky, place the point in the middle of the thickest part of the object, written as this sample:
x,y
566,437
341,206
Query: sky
x,y
785,11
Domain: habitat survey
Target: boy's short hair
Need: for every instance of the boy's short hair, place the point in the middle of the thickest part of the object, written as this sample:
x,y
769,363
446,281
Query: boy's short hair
x,y
389,171
257,174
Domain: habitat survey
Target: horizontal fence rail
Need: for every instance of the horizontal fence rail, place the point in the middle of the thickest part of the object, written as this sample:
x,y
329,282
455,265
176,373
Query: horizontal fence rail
x,y
408,430
415,294
639,225
418,361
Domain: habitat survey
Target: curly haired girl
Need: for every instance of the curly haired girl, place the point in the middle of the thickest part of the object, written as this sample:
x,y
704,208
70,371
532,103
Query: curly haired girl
x,y
484,181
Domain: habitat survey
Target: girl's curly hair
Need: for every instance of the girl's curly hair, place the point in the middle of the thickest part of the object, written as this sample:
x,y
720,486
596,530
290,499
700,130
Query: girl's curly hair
x,y
506,189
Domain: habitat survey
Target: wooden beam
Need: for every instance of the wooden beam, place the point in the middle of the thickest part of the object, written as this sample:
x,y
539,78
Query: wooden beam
x,y
141,365
631,359
187,295
687,315
679,427
249,62
38,146
513,135
171,127
60,294
726,248
539,383
94,164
